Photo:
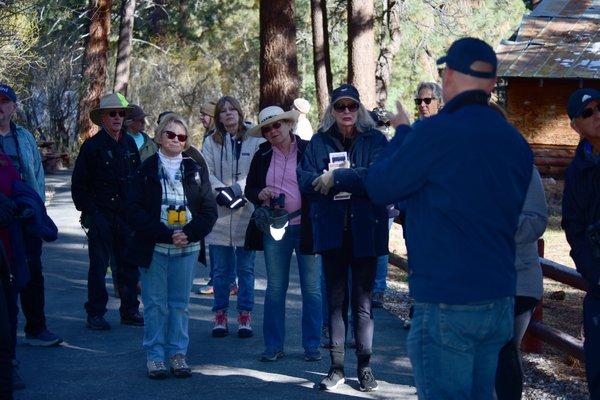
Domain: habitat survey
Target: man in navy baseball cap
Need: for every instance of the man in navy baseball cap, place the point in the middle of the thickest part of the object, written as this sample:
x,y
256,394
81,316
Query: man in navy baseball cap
x,y
578,101
581,220
472,57
8,92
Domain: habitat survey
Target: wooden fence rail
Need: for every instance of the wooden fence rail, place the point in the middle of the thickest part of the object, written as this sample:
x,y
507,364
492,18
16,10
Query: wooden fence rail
x,y
538,331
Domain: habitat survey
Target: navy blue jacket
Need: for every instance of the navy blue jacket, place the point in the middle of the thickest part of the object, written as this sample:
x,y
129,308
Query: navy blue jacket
x,y
368,221
464,174
580,209
40,225
144,201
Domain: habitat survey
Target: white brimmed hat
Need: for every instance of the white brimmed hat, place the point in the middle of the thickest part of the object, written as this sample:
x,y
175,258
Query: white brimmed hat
x,y
270,114
111,101
302,105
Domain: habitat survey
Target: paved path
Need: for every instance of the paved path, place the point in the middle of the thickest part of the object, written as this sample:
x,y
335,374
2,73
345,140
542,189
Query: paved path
x,y
111,365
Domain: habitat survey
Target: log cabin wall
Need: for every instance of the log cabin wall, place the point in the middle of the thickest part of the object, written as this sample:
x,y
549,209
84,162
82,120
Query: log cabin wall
x,y
537,107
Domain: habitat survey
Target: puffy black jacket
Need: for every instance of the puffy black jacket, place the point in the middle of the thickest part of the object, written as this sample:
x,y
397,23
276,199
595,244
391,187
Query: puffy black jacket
x,y
103,172
580,209
257,181
144,206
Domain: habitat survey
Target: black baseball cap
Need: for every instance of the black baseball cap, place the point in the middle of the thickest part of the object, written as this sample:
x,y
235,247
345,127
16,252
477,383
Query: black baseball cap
x,y
466,51
346,91
579,99
8,92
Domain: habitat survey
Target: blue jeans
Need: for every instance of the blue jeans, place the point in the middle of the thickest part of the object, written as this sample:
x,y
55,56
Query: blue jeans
x,y
381,275
454,348
278,255
226,259
210,274
166,287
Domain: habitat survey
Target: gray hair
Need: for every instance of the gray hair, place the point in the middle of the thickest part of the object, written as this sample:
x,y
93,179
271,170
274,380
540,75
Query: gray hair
x,y
364,121
435,88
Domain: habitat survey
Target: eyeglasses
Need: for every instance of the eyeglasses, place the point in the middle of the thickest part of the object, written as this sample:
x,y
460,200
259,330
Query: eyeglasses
x,y
173,135
268,128
113,114
340,107
426,100
588,112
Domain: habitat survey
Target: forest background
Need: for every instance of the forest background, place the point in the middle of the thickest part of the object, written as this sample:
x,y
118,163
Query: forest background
x,y
183,53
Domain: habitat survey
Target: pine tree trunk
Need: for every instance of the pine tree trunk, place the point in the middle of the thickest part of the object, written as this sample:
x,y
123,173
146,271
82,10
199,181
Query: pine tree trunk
x,y
279,82
184,19
95,72
361,50
125,47
322,61
158,18
391,40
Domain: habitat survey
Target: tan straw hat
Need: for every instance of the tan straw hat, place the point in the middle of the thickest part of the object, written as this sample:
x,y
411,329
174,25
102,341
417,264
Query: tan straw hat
x,y
111,101
270,114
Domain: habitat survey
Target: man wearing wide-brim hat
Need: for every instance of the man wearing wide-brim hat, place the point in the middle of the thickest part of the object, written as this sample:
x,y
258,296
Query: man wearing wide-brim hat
x,y
102,174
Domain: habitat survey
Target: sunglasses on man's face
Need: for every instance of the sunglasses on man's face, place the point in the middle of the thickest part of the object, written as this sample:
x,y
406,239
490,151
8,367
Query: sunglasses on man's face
x,y
173,135
588,112
426,100
113,114
268,128
340,107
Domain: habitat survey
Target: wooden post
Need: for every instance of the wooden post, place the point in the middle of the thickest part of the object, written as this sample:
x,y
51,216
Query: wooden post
x,y
532,344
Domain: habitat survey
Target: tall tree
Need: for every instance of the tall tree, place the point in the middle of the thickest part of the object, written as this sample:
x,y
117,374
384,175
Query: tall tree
x,y
184,19
125,46
279,82
391,38
361,49
95,70
322,61
158,18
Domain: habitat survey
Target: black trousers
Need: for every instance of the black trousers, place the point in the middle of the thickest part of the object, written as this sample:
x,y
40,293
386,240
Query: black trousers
x,y
107,239
33,296
337,265
6,344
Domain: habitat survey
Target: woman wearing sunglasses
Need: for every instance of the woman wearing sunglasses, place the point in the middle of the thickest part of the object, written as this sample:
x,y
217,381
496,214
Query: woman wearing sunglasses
x,y
349,231
272,182
429,99
228,152
171,208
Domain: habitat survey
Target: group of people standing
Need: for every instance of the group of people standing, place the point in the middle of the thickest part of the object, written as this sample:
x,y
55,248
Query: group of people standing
x,y
461,178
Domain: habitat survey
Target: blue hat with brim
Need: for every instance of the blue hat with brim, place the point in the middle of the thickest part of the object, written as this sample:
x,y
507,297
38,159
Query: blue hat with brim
x,y
579,99
463,53
8,92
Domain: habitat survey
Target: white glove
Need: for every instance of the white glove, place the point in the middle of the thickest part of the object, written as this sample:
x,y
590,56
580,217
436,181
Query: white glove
x,y
324,182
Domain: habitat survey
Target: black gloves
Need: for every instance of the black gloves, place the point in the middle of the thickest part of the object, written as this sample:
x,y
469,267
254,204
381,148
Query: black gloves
x,y
228,198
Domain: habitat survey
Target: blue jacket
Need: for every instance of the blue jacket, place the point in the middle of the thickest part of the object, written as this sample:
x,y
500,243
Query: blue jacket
x,y
580,209
464,174
368,221
40,225
32,170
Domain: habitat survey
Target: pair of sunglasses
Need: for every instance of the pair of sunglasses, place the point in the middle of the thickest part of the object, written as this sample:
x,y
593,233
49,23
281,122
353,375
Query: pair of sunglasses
x,y
113,114
588,112
266,129
426,100
340,107
173,135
